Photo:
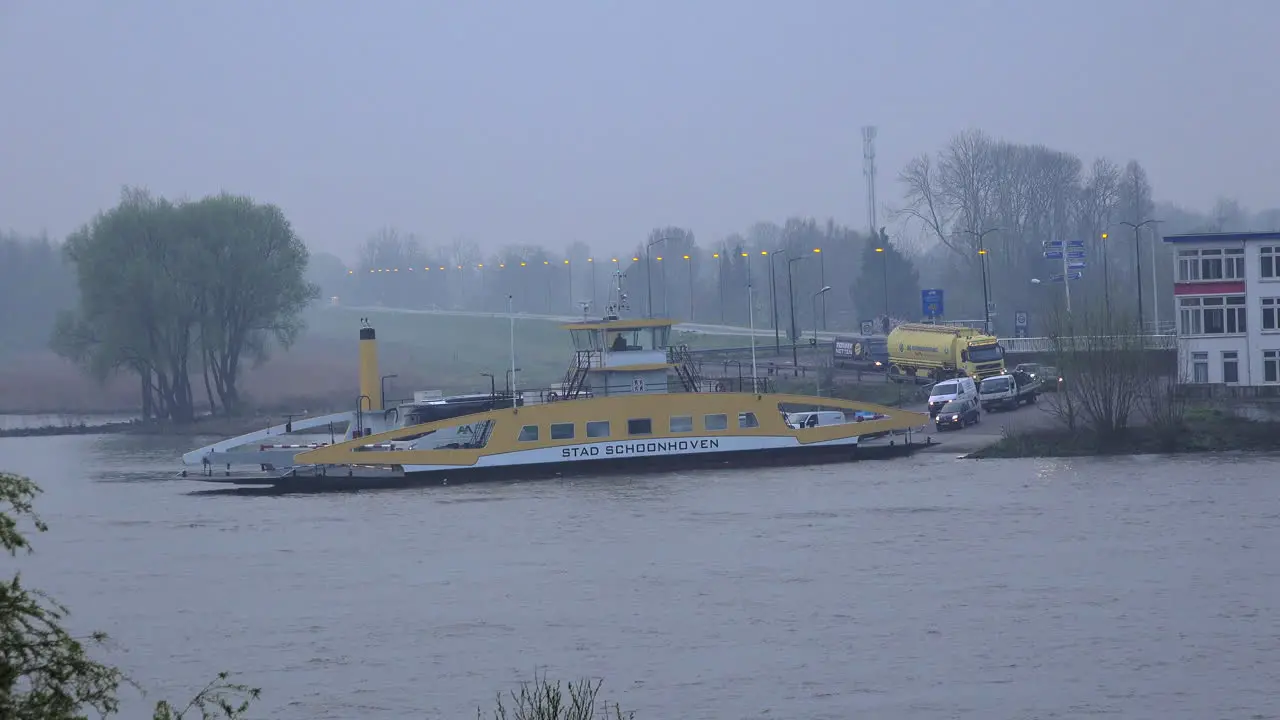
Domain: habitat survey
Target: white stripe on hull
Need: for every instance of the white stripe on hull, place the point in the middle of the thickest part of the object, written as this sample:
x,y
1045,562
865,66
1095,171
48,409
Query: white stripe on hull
x,y
637,448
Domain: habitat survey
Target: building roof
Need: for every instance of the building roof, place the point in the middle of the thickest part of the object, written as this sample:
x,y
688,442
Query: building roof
x,y
1222,237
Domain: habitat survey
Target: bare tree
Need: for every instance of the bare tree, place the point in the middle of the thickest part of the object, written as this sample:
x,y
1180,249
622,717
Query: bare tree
x,y
1100,356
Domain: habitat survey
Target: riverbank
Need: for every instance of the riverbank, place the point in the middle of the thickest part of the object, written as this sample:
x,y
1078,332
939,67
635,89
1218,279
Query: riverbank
x,y
221,426
1202,431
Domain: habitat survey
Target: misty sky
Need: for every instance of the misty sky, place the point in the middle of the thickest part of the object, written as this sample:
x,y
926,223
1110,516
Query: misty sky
x,y
565,120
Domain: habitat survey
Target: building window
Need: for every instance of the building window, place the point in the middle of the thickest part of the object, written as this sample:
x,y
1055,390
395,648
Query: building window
x,y
1209,265
1188,265
1268,267
562,431
1200,367
1271,366
598,429
1231,367
528,433
640,426
1214,315
715,422
1271,313
682,423
747,420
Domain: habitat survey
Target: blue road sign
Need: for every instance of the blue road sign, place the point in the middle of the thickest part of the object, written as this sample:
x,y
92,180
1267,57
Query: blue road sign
x,y
1070,276
931,305
1075,254
1075,265
1052,254
1052,244
1075,243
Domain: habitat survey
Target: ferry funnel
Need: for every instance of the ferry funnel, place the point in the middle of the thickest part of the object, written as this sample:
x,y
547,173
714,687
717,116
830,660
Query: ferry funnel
x,y
370,382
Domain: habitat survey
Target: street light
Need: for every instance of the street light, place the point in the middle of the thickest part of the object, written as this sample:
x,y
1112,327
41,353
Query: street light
x,y
773,300
822,280
648,273
884,265
982,260
720,281
1137,254
817,370
493,385
690,261
791,305
1106,276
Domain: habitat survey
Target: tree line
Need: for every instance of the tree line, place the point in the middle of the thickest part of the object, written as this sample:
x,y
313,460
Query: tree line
x,y
168,290
976,201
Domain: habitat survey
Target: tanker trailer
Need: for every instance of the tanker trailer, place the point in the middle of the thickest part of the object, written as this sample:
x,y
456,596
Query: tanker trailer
x,y
938,352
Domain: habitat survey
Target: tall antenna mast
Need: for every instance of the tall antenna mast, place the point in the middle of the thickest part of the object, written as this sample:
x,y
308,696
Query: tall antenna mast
x,y
869,172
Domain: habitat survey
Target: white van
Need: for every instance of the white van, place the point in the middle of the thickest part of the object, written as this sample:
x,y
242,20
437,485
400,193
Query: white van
x,y
947,390
817,418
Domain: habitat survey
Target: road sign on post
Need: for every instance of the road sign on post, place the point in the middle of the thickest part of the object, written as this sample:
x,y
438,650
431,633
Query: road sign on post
x,y
1020,318
1052,244
1052,254
1075,243
1069,276
931,305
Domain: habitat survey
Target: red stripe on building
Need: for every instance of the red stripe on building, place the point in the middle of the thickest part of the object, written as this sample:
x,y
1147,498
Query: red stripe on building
x,y
1233,287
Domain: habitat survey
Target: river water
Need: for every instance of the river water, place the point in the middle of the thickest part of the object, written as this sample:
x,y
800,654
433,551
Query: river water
x,y
924,588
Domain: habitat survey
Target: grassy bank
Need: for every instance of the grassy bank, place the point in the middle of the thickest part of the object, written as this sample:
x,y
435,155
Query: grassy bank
x,y
1204,430
318,374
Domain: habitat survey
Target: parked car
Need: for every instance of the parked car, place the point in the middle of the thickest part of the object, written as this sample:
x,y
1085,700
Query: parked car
x,y
1052,381
958,413
1035,370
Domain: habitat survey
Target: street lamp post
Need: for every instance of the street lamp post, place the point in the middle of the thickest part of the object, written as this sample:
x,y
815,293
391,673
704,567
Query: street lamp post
x,y
773,300
791,305
689,261
720,260
1137,255
822,282
493,385
592,262
817,361
751,314
569,270
884,266
648,273
1106,277
982,260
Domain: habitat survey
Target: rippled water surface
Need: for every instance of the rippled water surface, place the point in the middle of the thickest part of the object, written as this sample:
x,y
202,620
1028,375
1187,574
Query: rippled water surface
x,y
925,588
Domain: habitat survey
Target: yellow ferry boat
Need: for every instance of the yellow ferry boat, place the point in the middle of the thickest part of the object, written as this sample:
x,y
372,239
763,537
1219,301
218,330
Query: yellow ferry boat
x,y
630,402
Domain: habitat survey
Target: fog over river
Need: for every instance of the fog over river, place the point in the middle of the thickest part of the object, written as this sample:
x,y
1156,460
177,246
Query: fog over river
x,y
923,588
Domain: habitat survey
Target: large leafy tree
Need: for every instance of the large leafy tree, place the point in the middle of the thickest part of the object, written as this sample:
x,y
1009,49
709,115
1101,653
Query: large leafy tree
x,y
163,284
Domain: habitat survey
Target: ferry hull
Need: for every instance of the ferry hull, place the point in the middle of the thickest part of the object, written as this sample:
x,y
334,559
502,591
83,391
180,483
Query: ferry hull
x,y
756,458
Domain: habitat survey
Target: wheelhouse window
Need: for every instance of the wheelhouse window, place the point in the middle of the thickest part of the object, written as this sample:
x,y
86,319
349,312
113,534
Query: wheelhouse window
x,y
1271,366
1210,264
1213,315
640,426
1271,313
528,433
562,431
1269,263
715,422
1200,367
598,429
682,423
748,420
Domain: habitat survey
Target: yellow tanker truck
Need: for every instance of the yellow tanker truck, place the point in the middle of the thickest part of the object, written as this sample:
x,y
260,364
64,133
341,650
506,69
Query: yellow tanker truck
x,y
939,352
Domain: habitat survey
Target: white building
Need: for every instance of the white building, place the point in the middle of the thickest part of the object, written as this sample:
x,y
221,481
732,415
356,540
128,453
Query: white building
x,y
1227,296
